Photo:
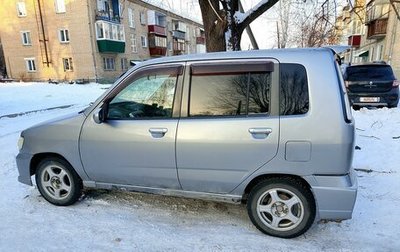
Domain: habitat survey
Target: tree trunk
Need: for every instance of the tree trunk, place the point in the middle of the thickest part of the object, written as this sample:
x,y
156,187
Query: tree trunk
x,y
214,26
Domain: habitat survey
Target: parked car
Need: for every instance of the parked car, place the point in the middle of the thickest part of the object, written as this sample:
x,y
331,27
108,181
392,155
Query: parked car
x,y
272,129
372,84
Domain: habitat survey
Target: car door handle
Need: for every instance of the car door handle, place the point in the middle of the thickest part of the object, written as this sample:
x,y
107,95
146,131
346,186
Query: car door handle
x,y
265,131
158,130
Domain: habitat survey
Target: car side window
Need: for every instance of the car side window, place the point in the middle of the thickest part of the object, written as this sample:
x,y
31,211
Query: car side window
x,y
150,95
230,90
294,97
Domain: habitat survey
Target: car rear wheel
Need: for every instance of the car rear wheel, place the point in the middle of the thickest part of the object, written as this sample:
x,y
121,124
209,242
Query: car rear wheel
x,y
58,182
281,207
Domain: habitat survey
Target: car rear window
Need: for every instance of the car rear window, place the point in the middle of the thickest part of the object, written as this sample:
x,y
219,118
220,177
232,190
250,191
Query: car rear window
x,y
294,97
368,73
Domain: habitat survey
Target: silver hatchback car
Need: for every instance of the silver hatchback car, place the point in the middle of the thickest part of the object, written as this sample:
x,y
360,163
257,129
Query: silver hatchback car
x,y
271,129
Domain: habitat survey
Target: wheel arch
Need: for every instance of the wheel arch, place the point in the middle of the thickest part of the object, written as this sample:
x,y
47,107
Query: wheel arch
x,y
37,158
255,181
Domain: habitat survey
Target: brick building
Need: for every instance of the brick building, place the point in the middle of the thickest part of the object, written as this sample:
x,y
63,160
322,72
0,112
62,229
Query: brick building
x,y
68,40
372,29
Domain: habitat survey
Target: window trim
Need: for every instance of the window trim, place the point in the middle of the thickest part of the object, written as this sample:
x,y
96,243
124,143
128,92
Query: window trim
x,y
143,38
71,66
134,47
105,64
29,36
34,70
59,3
23,7
65,31
131,18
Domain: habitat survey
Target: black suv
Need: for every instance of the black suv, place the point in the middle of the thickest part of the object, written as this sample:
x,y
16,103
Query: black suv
x,y
372,84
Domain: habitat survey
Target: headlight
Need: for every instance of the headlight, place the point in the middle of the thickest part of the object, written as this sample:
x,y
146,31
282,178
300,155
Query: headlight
x,y
20,142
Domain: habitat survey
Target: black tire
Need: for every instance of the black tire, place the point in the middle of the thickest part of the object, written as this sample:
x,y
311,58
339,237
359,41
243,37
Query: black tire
x,y
273,221
58,182
356,107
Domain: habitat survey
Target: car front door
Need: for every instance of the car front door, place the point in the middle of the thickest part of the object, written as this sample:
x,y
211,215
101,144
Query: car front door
x,y
134,143
230,123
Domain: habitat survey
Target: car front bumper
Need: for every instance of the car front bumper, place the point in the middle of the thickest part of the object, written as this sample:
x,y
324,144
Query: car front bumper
x,y
23,164
335,195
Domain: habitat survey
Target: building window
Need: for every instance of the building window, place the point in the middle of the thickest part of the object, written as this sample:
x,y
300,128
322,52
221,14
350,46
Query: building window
x,y
133,43
131,18
30,64
143,40
124,64
26,38
67,62
60,6
380,54
170,46
64,36
142,18
21,9
109,64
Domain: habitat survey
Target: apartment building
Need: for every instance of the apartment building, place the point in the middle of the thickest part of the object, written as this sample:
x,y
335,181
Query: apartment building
x,y
68,40
372,29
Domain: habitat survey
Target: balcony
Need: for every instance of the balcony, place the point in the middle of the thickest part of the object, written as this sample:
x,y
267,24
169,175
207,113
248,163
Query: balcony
x,y
354,41
178,34
200,40
377,29
107,16
110,37
108,11
157,45
156,29
158,52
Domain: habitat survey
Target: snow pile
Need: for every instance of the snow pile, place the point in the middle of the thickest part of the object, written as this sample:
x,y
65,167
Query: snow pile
x,y
115,221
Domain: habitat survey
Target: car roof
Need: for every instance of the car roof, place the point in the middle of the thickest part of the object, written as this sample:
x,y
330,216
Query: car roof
x,y
271,53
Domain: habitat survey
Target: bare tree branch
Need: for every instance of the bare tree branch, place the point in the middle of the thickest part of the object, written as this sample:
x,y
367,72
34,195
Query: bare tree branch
x,y
255,12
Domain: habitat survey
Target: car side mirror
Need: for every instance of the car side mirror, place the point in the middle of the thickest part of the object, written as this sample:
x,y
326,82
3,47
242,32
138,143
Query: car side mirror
x,y
98,116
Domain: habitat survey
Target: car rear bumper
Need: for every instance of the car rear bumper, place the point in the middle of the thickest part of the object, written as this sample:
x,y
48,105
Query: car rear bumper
x,y
335,195
23,164
390,98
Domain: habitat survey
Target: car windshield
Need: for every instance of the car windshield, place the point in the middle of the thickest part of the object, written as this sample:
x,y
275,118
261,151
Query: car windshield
x,y
368,73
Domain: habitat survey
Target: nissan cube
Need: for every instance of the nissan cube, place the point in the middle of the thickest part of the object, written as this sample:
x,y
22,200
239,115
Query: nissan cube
x,y
271,129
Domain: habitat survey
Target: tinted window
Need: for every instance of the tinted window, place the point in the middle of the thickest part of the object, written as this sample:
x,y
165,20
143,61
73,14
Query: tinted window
x,y
149,96
368,73
294,99
229,94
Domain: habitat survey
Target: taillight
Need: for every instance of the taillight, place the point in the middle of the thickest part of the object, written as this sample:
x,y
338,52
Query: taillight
x,y
346,83
396,83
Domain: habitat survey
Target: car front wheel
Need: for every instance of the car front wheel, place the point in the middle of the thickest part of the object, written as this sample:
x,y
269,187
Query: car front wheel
x,y
58,182
281,207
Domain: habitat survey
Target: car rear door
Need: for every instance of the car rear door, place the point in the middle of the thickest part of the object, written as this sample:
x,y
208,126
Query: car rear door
x,y
229,124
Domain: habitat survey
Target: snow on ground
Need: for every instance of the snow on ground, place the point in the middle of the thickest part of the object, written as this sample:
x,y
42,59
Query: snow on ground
x,y
115,221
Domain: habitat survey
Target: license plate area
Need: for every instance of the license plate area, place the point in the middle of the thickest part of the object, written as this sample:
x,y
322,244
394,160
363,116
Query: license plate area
x,y
370,99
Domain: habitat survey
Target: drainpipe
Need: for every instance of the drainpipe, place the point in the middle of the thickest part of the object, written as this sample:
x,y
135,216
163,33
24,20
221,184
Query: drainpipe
x,y
91,40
